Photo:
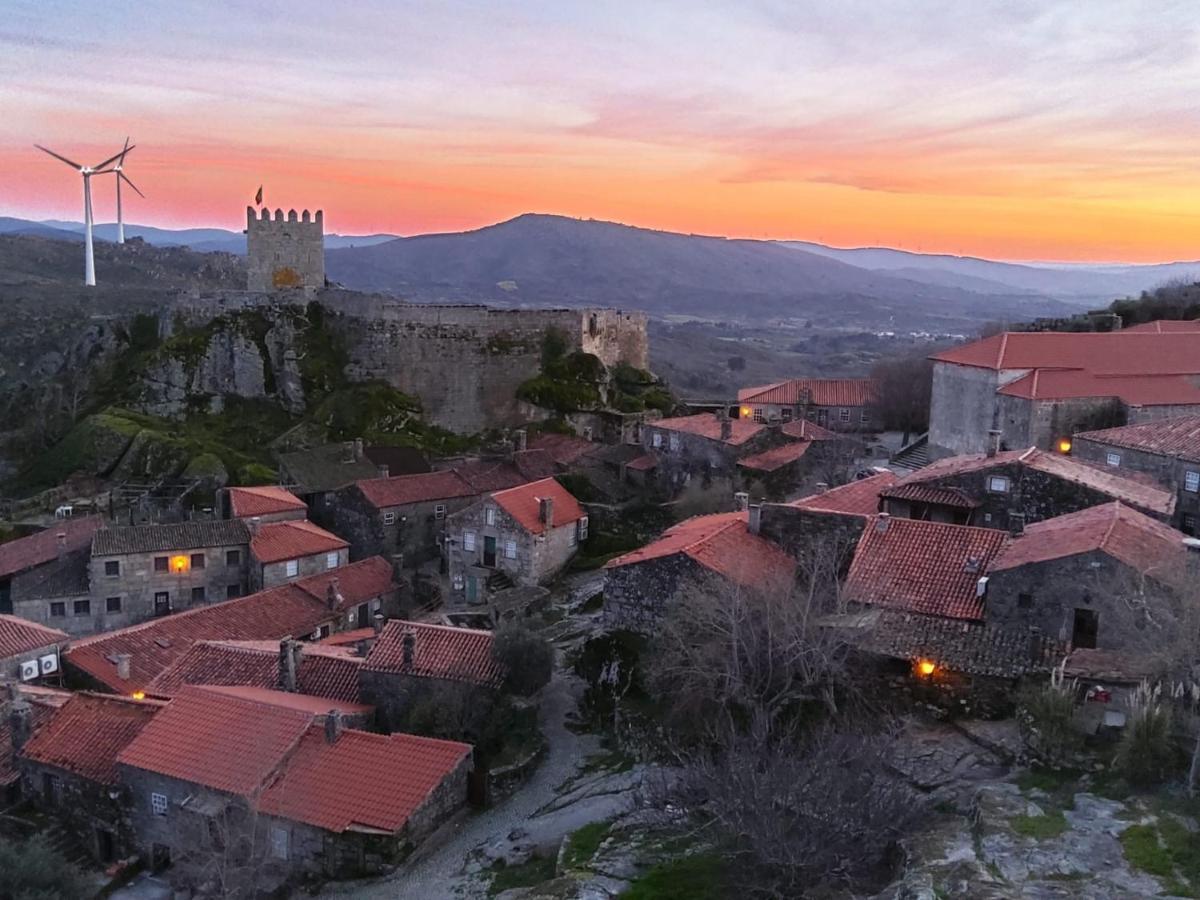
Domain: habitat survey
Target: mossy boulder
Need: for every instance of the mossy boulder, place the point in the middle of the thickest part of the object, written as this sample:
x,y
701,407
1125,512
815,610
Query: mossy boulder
x,y
95,445
208,469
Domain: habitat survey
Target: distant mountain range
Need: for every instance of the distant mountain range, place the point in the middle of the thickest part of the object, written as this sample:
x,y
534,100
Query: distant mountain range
x,y
539,260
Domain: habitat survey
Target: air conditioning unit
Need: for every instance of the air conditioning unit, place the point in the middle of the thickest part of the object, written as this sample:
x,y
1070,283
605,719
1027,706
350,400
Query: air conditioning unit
x,y
49,663
29,670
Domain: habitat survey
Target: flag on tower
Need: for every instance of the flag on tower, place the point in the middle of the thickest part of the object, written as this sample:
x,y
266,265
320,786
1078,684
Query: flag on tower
x,y
258,197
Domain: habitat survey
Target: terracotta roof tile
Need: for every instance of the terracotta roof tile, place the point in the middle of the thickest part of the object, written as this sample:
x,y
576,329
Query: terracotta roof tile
x,y
326,468
486,476
18,636
1134,390
43,702
1102,353
804,430
42,547
246,502
708,425
776,458
348,638
85,736
928,493
402,490
178,536
1179,437
816,391
922,567
439,651
564,449
1164,326
723,544
858,498
276,541
404,771
644,463
524,504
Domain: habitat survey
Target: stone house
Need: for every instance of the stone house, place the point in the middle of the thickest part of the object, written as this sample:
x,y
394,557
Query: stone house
x,y
146,571
266,503
411,659
316,475
30,652
221,764
284,551
1167,450
524,535
69,769
1038,388
50,566
717,552
815,456
841,404
126,661
22,712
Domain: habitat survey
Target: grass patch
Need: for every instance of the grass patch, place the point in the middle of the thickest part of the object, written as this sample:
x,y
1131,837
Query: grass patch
x,y
1050,825
534,872
1167,851
1047,780
583,843
700,876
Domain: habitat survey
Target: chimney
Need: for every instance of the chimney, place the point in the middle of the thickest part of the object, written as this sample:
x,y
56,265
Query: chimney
x,y
755,523
333,726
20,722
384,471
253,524
123,660
993,441
546,511
358,449
741,500
62,543
972,564
348,452
520,440
333,594
726,424
289,664
377,622
882,522
1016,524
408,644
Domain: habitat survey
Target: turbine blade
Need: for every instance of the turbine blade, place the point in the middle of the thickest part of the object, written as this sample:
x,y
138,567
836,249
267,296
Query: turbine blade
x,y
125,178
71,163
111,159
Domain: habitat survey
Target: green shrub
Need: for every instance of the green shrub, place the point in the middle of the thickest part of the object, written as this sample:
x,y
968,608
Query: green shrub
x,y
33,870
699,876
580,487
555,342
584,842
1046,715
1146,754
527,659
1043,827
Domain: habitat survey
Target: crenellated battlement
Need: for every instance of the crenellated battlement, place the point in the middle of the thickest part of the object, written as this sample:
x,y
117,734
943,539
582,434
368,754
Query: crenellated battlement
x,y
305,217
285,252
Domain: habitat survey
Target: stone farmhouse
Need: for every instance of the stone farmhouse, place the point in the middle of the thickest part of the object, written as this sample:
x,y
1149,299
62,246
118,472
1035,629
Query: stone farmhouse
x,y
841,404
22,712
523,535
1038,388
49,566
315,475
1167,450
283,551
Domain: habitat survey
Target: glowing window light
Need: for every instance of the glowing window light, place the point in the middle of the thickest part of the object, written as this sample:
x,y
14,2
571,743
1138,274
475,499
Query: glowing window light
x,y
1064,445
926,667
746,412
180,564
138,695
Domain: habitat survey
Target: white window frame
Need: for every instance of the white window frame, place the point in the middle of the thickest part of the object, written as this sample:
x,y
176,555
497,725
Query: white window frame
x,y
510,549
331,560
1191,481
1112,459
583,528
864,417
280,841
292,568
158,803
656,440
674,443
468,542
389,518
439,511
759,416
998,484
489,516
844,415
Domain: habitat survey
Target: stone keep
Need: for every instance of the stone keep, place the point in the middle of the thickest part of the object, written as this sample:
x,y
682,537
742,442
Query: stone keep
x,y
284,253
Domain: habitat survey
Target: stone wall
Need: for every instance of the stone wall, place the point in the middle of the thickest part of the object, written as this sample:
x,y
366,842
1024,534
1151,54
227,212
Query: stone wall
x,y
1166,470
272,574
284,254
86,809
63,580
962,408
638,595
415,531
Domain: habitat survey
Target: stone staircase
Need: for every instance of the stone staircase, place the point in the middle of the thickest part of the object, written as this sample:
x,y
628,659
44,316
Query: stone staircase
x,y
498,581
912,456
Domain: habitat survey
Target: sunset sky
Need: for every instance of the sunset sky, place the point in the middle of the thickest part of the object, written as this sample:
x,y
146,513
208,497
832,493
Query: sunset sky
x,y
1017,130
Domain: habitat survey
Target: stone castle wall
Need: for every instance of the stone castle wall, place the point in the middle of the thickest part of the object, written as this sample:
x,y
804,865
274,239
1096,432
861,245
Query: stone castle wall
x,y
282,254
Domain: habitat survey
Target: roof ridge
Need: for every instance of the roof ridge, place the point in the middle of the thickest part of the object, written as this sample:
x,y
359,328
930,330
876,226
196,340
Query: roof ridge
x,y
703,539
1112,524
438,625
1000,350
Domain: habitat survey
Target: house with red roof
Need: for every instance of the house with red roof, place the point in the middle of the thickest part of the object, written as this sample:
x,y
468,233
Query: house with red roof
x,y
30,652
520,536
842,404
705,551
279,785
283,551
1025,389
68,767
47,567
267,503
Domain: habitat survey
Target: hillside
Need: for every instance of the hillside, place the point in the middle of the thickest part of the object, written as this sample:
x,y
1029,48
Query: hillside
x,y
553,260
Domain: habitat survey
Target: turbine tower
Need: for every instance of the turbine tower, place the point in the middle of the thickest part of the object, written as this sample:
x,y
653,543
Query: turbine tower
x,y
121,176
89,259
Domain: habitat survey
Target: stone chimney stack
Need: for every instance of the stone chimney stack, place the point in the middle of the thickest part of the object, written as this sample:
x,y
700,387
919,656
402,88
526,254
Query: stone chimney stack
x,y
546,511
358,449
384,471
62,543
253,524
289,664
333,593
20,721
993,441
377,622
755,517
520,440
123,660
726,423
882,521
333,726
408,646
1016,524
741,500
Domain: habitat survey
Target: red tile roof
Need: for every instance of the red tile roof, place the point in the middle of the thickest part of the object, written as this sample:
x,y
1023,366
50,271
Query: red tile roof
x,y
290,610
1166,437
804,430
277,541
324,671
402,490
564,449
87,733
19,636
524,504
723,544
858,498
928,493
1165,326
43,702
1142,543
439,651
819,392
776,458
643,463
347,638
486,476
923,567
708,425
1103,353
1134,390
1105,480
404,770
246,502
27,552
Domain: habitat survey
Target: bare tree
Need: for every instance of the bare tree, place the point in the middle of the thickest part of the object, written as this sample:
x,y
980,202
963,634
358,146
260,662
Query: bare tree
x,y
903,386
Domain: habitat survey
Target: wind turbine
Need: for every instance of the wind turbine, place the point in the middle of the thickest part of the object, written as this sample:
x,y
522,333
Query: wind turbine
x,y
89,259
121,176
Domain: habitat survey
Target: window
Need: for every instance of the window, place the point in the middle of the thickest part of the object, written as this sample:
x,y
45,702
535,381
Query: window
x,y
997,484
389,518
331,560
469,541
83,607
1187,524
233,557
158,804
197,560
785,414
1024,601
234,590
162,602
161,564
583,528
198,595
656,439
1113,459
489,516
674,443
864,418
58,610
112,604
439,511
112,568
843,415
759,415
1191,481
292,568
279,843
1087,626
510,549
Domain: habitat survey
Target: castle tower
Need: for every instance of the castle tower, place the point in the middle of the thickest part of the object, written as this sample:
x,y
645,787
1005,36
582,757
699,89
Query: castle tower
x,y
281,253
